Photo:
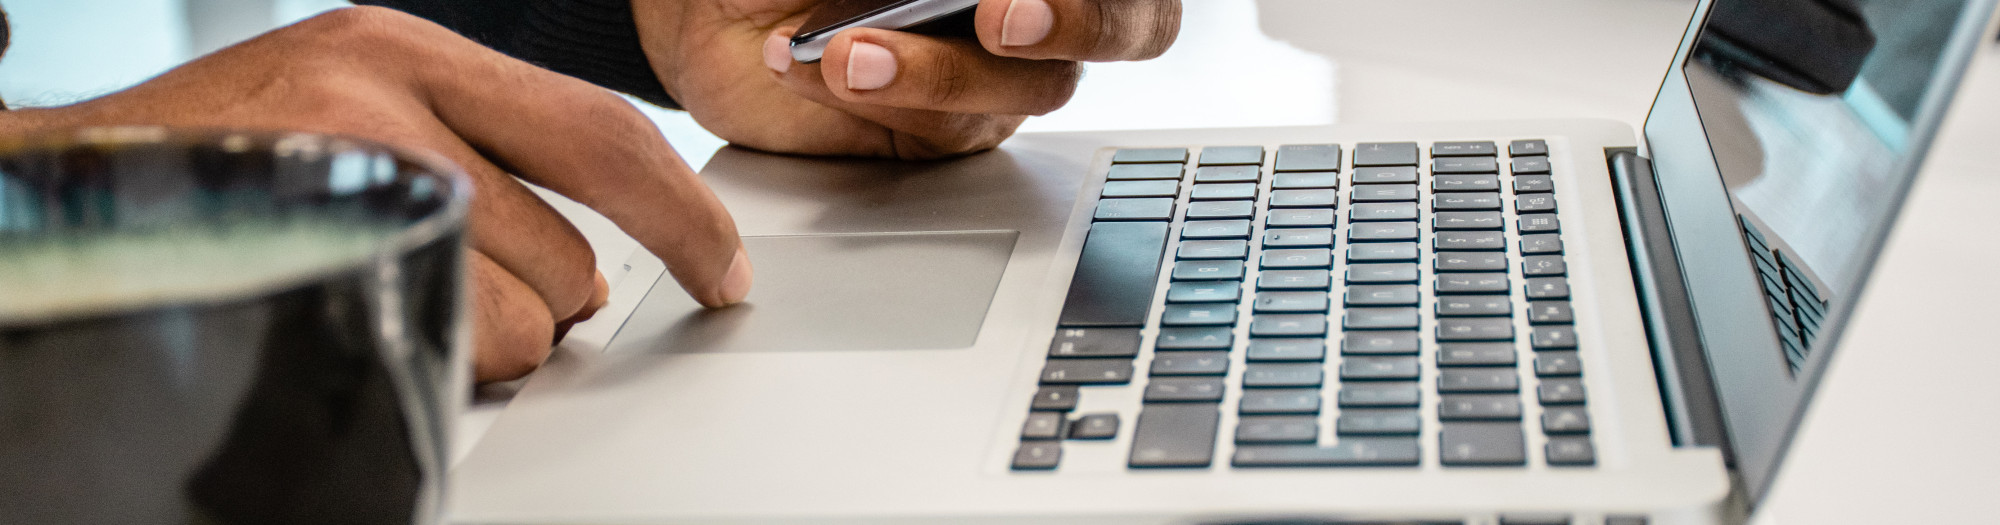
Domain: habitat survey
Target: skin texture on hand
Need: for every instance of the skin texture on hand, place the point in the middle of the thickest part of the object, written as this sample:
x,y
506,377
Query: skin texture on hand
x,y
385,76
886,93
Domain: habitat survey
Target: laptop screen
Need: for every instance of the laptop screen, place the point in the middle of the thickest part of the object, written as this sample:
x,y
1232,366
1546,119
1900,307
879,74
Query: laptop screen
x,y
1809,107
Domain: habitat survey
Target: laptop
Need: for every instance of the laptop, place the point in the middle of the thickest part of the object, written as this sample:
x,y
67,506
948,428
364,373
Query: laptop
x,y
1472,323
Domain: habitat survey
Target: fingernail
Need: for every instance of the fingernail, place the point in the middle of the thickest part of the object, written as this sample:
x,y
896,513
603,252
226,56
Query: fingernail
x,y
778,53
869,66
736,283
1027,23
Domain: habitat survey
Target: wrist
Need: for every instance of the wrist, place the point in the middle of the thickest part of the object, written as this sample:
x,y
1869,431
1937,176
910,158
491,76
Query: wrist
x,y
659,26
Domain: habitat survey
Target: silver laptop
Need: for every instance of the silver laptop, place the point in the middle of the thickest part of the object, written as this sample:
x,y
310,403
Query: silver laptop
x,y
1469,323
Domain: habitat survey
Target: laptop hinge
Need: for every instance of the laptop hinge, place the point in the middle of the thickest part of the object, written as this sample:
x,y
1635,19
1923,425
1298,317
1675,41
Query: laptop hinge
x,y
1693,415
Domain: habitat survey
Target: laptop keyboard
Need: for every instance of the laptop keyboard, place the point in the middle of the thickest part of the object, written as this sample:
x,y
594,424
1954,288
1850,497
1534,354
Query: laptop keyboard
x,y
1263,293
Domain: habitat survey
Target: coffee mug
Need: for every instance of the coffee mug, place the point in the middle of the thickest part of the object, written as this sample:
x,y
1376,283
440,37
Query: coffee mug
x,y
227,327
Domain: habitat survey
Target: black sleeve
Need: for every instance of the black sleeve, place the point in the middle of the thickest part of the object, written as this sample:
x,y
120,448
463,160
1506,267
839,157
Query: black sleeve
x,y
594,40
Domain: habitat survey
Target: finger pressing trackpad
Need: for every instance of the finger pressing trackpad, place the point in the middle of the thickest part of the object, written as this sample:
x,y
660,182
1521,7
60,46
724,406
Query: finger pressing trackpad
x,y
820,293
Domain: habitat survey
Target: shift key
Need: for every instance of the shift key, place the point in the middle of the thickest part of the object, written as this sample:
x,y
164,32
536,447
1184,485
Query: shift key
x,y
1175,435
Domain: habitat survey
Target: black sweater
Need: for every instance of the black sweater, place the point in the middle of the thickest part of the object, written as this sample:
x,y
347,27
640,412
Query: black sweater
x,y
594,40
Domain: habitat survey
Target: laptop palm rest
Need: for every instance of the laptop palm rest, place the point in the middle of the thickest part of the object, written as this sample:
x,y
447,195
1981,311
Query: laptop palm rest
x,y
841,292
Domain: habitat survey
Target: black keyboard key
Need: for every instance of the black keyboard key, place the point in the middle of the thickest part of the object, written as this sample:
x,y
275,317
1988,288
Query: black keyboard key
x,y
1290,302
1383,211
1382,231
1297,237
1279,401
1204,292
1550,312
1482,443
1385,175
1287,325
1294,280
1087,372
1095,342
1461,407
1376,368
1349,452
1277,429
1465,183
1560,391
1142,188
1213,249
1571,451
1308,157
1214,155
1534,184
1476,354
1466,201
1135,209
1304,198
1471,283
1475,329
1059,398
1543,265
1552,337
1565,420
1462,149
1284,218
1199,314
1382,273
1539,223
1304,180
1286,349
1207,270
1465,165
1382,252
1042,425
1522,165
1221,210
1144,172
1380,394
1094,426
1184,389
1385,193
1527,147
1474,306
1379,343
1385,154
1547,288
1485,379
1223,192
1555,364
1150,155
1468,220
1541,243
1302,258
1282,375
1469,261
1381,318
1175,435
1190,364
1535,203
1222,229
1038,455
1469,240
1378,422
1227,174
1195,338
1115,275
1382,295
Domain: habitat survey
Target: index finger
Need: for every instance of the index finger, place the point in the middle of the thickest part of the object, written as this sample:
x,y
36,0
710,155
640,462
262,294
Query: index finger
x,y
1087,30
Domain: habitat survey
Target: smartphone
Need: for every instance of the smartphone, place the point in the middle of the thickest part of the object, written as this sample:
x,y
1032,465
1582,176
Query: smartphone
x,y
833,16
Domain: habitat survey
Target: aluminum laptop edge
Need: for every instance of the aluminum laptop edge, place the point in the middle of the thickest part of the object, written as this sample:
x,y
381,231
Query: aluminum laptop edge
x,y
882,370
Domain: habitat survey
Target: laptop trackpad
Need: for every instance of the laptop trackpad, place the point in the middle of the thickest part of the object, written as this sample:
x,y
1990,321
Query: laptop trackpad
x,y
892,291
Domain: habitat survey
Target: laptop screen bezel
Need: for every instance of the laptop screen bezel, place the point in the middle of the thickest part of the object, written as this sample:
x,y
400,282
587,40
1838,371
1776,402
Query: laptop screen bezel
x,y
1762,404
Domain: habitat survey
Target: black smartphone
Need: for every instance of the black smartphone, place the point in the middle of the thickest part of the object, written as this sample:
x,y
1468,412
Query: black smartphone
x,y
952,17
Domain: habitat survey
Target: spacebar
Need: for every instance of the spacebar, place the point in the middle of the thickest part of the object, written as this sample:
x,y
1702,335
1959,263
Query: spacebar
x,y
1116,275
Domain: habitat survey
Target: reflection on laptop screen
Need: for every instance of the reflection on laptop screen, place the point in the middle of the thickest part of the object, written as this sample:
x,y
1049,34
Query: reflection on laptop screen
x,y
1809,107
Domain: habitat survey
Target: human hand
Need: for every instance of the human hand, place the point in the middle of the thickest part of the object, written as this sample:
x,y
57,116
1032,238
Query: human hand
x,y
887,93
381,75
